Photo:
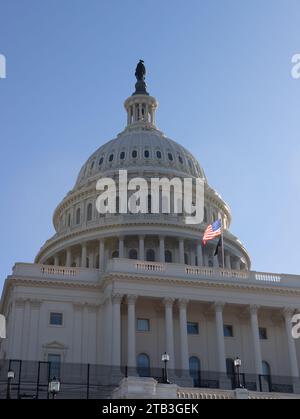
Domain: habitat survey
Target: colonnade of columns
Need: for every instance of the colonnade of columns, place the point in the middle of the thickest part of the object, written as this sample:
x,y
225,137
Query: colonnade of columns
x,y
193,248
184,347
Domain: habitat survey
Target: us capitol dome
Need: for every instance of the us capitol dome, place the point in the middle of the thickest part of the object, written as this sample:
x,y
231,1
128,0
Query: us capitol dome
x,y
85,238
109,294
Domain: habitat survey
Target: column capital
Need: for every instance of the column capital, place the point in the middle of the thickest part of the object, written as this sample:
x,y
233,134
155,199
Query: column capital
x,y
141,236
183,302
288,312
168,301
219,305
116,298
161,237
253,308
131,298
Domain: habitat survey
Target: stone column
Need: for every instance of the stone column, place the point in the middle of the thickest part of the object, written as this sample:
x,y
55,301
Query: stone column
x,y
199,253
181,250
169,331
121,247
294,368
192,257
220,337
101,254
56,260
83,255
256,340
68,258
91,259
116,329
184,351
131,327
227,261
141,247
162,249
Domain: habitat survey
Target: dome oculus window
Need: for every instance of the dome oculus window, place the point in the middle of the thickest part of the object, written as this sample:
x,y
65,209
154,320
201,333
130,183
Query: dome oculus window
x,y
134,154
111,157
170,156
158,154
122,155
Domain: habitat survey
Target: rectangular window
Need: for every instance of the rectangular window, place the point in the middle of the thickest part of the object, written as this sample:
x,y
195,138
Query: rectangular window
x,y
56,319
192,328
263,335
143,325
228,331
54,361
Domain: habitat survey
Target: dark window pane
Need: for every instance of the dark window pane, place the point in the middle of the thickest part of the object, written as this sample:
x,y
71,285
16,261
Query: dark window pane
x,y
192,328
143,325
146,154
122,155
170,156
134,154
111,157
228,331
158,154
56,319
263,335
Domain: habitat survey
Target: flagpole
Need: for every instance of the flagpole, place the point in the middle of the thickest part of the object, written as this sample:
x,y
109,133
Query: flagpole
x,y
222,244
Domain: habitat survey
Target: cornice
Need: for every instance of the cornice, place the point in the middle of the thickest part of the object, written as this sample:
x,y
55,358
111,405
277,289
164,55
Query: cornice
x,y
201,283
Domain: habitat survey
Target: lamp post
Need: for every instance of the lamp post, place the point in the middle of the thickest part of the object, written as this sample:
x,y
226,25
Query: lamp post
x,y
54,387
165,358
10,377
237,365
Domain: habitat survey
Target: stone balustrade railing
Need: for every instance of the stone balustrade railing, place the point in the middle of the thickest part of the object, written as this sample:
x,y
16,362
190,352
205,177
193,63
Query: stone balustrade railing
x,y
174,270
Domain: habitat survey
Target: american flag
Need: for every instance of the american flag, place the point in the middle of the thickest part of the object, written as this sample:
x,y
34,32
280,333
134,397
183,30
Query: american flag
x,y
212,231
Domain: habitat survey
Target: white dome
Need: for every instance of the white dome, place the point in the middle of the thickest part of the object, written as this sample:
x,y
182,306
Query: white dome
x,y
140,150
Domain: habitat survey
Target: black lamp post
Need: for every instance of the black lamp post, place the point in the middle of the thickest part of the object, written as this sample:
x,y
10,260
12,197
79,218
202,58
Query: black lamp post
x,y
54,387
165,359
10,377
237,365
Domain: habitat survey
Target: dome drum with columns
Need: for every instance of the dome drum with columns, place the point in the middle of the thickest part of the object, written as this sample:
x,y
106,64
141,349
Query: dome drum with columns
x,y
143,150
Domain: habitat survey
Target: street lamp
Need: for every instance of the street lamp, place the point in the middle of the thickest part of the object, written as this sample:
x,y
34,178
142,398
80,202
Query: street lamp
x,y
165,358
54,387
10,377
237,365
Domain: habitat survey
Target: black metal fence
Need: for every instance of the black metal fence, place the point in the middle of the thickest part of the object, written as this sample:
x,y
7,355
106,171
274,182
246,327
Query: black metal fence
x,y
85,381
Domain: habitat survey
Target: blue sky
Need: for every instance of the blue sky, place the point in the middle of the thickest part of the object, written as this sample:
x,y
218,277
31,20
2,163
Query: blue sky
x,y
221,70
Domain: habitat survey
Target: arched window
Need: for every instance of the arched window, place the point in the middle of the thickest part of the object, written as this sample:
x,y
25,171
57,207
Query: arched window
x,y
180,159
100,161
168,256
115,254
89,213
143,365
170,156
111,157
132,254
186,258
122,155
69,220
266,369
134,154
205,215
195,370
149,203
158,154
78,216
146,154
150,255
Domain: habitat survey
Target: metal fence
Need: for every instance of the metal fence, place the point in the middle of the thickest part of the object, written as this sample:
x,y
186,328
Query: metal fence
x,y
86,381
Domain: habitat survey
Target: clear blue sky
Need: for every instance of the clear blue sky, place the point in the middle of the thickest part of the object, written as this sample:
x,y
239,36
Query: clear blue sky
x,y
221,70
